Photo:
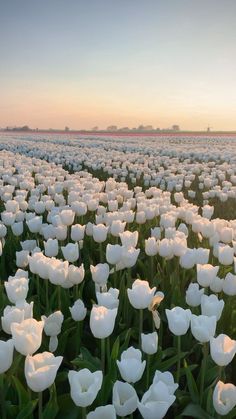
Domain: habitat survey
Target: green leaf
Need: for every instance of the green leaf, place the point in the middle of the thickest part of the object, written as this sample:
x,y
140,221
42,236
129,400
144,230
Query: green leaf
x,y
172,361
86,360
192,386
232,414
115,349
27,410
22,393
51,409
67,408
195,411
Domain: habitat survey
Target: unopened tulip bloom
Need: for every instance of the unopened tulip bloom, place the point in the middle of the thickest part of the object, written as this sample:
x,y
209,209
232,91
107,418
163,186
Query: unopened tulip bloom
x,y
166,248
156,401
217,284
52,328
100,233
167,378
51,247
229,284
131,366
58,271
16,289
108,299
100,273
11,314
223,349
224,398
151,246
76,274
202,256
41,370
124,398
188,260
26,308
194,295
77,232
22,258
129,239
178,320
206,274
6,355
102,321
27,336
117,227
84,386
140,295
67,217
113,253
35,224
212,306
78,310
17,228
129,257
149,342
226,255
71,252
203,327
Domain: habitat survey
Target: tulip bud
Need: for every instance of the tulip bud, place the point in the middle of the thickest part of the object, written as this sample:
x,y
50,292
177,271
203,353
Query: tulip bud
x,y
178,320
6,355
102,321
203,327
149,343
78,311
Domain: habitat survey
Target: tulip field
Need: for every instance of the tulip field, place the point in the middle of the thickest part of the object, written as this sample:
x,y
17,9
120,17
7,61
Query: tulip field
x,y
118,276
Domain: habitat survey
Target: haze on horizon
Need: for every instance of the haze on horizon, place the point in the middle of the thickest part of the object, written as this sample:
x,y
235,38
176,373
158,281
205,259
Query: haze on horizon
x,y
125,62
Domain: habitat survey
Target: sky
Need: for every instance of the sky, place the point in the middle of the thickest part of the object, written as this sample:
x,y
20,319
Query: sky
x,y
125,62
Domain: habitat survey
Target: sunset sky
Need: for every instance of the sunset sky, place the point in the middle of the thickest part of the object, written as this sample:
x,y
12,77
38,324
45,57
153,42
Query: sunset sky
x,y
124,62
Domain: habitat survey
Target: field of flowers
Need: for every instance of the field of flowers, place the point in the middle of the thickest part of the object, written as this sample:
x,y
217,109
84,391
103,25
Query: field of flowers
x,y
117,276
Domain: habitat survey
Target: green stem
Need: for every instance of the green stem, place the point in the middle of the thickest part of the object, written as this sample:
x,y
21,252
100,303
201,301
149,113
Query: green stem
x,y
38,288
83,412
178,362
2,397
59,296
103,354
152,270
46,292
100,253
140,325
78,337
40,405
148,371
108,354
203,369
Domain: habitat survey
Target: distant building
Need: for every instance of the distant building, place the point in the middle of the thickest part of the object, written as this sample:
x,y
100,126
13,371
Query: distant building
x,y
95,128
112,128
124,129
67,129
175,128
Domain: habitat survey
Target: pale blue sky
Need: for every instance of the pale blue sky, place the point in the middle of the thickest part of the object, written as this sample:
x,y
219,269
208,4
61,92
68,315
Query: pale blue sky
x,y
127,62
